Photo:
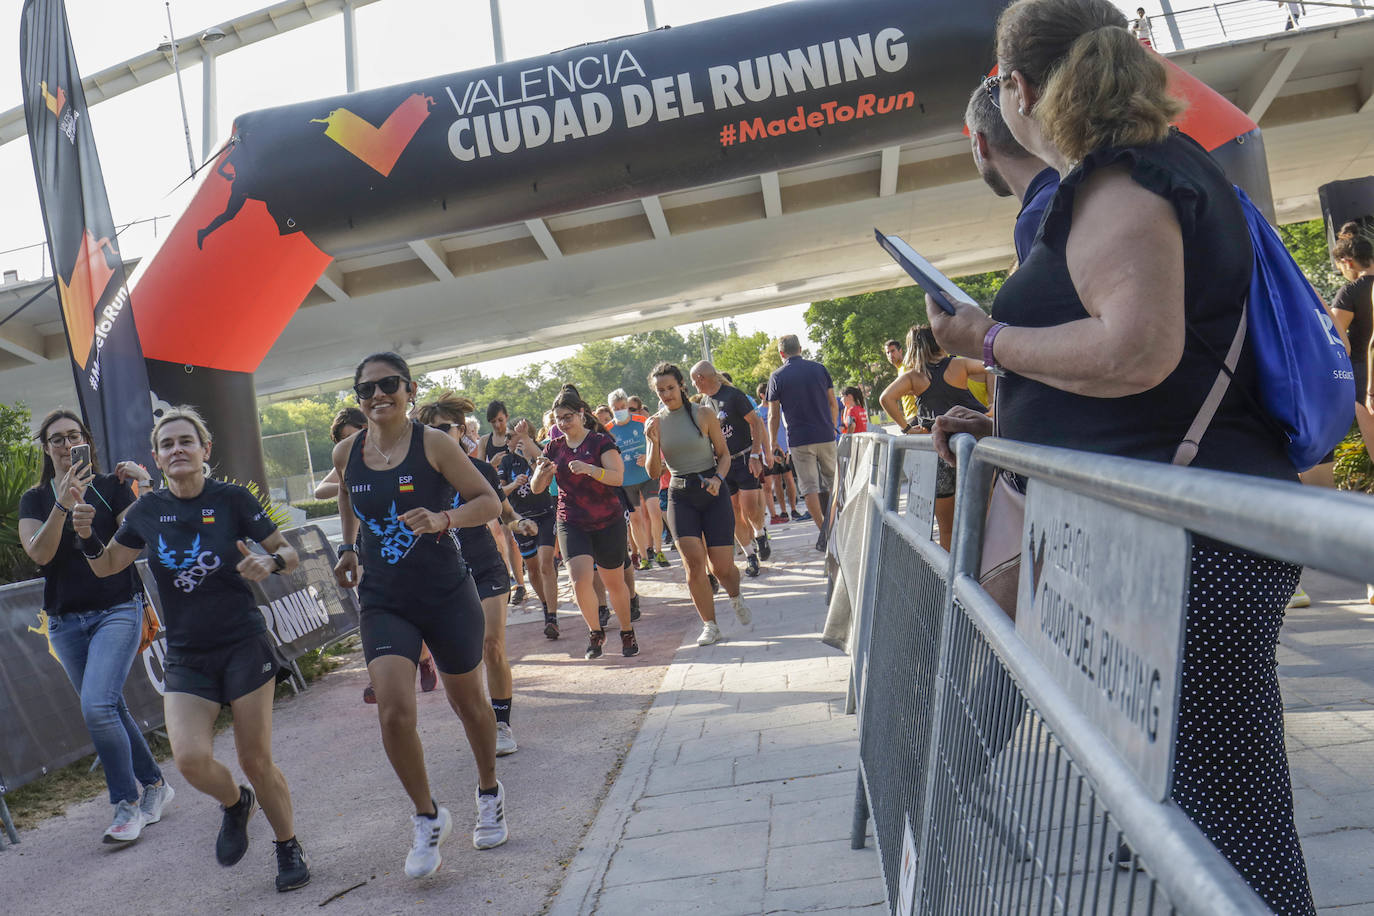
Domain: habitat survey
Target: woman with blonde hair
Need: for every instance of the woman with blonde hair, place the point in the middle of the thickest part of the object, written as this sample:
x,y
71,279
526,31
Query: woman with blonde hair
x,y
218,651
1107,336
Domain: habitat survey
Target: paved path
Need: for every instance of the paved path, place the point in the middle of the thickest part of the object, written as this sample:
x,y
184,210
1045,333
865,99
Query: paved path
x,y
736,797
1326,670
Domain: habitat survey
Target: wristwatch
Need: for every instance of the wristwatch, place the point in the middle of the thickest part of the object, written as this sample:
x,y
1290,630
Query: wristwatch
x,y
347,548
281,563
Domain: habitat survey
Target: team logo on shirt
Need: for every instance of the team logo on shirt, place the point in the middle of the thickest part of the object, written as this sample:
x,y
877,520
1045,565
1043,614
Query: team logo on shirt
x,y
395,538
407,483
192,567
207,516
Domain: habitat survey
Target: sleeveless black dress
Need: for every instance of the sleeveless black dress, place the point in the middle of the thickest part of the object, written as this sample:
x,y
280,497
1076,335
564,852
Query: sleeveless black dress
x,y
1231,768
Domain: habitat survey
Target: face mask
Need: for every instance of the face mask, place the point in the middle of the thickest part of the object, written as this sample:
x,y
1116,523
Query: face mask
x,y
621,416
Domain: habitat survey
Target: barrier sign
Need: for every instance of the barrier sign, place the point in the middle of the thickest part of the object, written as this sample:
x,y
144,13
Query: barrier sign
x,y
919,468
1101,602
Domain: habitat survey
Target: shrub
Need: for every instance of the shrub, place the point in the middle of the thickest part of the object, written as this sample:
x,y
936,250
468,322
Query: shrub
x,y
318,508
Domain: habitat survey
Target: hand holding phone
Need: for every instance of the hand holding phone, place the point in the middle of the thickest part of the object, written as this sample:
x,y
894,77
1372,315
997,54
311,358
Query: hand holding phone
x,y
81,454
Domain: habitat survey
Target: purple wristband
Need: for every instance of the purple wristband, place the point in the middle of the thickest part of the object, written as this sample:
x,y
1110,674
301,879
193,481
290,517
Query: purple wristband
x,y
990,361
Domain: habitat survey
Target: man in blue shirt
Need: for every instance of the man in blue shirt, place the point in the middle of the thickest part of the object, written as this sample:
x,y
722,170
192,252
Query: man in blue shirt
x,y
1006,165
803,391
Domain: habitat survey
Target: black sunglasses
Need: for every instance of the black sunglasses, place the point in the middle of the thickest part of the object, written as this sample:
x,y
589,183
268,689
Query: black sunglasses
x,y
365,390
442,427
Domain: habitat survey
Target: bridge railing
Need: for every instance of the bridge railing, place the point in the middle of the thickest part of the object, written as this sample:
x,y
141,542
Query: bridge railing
x,y
1208,24
1017,765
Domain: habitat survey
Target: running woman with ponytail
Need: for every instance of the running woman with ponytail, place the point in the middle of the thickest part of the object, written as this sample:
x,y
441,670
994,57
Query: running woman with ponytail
x,y
591,515
398,484
687,439
218,652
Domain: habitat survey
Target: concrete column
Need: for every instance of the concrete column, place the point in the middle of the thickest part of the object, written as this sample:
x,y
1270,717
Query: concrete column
x,y
498,40
350,48
209,104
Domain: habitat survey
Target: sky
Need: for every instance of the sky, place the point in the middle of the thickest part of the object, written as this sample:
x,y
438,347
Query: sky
x,y
140,134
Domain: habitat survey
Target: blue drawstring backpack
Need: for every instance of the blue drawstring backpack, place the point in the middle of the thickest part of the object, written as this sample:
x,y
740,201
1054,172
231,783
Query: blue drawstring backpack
x,y
1306,382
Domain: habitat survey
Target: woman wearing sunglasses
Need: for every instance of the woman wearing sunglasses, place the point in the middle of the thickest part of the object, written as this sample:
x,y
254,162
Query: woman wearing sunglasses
x,y
218,651
398,484
447,412
94,624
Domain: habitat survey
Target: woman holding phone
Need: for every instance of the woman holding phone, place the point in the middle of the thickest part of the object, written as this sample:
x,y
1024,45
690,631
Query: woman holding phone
x,y
218,652
94,624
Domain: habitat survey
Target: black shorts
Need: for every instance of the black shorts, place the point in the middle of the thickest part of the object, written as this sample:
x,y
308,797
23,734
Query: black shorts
x,y
453,631
226,673
606,546
694,513
630,495
529,544
781,464
946,479
641,492
491,581
739,477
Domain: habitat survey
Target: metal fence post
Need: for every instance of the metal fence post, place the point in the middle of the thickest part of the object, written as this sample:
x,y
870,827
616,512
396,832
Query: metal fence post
x,y
974,484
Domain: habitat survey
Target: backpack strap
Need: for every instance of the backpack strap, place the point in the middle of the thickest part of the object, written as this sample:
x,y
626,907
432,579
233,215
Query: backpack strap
x,y
1187,449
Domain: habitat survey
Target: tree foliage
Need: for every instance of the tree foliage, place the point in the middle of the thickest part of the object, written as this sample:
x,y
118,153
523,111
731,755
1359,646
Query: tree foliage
x,y
852,330
1307,243
20,462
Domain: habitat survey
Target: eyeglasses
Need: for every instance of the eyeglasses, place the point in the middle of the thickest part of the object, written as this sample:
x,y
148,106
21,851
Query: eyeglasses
x,y
993,87
442,427
75,437
365,390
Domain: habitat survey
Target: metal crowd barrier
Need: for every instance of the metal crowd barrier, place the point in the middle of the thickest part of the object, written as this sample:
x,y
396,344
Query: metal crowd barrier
x,y
1007,765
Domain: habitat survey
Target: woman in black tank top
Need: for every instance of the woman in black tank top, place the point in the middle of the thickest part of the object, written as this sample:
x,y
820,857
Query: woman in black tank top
x,y
493,455
398,481
939,383
1140,268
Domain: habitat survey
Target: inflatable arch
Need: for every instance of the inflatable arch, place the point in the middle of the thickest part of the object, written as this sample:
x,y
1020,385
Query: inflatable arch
x,y
297,186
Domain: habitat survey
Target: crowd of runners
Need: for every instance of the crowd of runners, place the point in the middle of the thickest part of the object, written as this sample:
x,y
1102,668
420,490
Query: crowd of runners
x,y
440,527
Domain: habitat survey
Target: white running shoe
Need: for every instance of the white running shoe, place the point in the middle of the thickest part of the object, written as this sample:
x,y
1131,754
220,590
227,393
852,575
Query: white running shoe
x,y
741,610
128,824
1299,599
709,633
505,740
424,858
491,819
155,800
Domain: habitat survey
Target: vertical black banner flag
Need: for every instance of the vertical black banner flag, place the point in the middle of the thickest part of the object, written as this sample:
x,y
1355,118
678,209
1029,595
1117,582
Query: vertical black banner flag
x,y
107,360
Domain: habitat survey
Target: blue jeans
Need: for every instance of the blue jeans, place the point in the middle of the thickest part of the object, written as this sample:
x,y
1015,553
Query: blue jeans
x,y
97,649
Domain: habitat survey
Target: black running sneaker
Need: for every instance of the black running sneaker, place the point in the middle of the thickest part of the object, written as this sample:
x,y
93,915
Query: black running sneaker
x,y
634,608
765,548
603,616
232,842
518,596
800,516
751,566
292,872
595,640
629,646
550,625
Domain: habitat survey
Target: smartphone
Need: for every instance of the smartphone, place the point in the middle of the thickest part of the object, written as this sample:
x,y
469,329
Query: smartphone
x,y
81,454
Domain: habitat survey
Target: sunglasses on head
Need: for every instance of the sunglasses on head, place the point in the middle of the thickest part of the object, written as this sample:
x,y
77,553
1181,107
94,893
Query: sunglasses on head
x,y
365,390
993,87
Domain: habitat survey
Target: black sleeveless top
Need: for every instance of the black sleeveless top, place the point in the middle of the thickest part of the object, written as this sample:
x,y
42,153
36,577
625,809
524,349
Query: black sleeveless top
x,y
402,569
492,449
941,396
1217,263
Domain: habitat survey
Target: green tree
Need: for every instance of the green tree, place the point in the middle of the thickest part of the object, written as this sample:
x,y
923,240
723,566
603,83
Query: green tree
x,y
1307,243
312,414
20,461
851,332
742,357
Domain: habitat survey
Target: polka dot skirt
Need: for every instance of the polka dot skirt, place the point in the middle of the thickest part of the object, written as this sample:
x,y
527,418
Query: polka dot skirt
x,y
1231,767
